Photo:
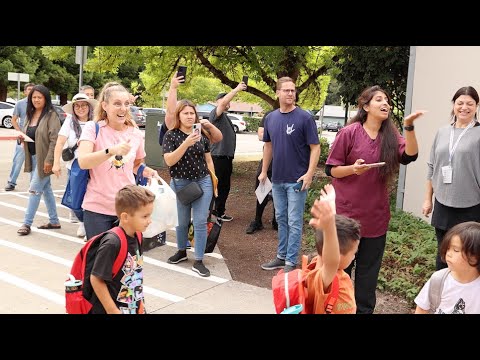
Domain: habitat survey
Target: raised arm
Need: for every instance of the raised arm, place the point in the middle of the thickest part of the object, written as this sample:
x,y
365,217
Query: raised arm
x,y
411,145
172,101
323,219
223,102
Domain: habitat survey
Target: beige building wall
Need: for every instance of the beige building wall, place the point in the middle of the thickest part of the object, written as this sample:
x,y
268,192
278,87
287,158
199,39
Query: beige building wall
x,y
439,71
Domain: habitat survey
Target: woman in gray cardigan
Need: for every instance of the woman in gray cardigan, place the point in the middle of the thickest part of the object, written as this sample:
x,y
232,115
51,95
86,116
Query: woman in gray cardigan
x,y
454,169
42,125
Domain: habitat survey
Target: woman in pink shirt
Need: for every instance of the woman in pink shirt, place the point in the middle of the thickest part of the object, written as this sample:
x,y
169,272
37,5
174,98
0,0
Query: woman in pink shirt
x,y
113,157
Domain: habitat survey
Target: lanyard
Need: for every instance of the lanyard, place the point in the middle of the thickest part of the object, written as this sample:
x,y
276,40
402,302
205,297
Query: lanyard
x,y
452,147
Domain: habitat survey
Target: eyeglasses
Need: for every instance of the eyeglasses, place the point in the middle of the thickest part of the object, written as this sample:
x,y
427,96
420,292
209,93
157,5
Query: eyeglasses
x,y
286,91
80,106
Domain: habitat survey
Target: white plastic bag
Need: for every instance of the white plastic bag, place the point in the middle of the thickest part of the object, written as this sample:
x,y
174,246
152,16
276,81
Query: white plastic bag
x,y
164,214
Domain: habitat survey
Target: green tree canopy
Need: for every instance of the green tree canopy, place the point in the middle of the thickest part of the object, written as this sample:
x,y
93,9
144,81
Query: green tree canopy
x,y
306,65
364,66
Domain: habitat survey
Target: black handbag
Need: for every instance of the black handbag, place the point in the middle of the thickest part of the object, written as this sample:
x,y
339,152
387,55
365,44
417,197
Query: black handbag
x,y
189,193
69,153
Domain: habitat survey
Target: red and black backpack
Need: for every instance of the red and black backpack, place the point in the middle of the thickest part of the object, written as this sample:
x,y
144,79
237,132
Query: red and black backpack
x,y
77,297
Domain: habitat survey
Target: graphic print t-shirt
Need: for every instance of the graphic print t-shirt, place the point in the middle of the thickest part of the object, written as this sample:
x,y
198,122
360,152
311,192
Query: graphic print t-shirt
x,y
456,298
127,287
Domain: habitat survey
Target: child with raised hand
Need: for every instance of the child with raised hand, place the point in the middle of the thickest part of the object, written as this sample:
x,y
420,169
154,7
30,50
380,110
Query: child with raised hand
x,y
460,249
122,294
337,240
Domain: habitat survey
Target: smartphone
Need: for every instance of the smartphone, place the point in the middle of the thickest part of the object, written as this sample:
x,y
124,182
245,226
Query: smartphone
x,y
298,186
197,128
182,71
245,79
375,165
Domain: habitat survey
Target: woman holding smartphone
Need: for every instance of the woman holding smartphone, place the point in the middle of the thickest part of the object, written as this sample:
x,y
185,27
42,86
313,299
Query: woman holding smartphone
x,y
362,190
187,153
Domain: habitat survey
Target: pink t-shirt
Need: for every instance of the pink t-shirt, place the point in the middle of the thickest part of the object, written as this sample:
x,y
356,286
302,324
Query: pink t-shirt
x,y
106,179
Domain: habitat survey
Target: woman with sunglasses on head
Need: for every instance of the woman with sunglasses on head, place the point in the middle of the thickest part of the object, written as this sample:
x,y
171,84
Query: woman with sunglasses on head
x,y
113,156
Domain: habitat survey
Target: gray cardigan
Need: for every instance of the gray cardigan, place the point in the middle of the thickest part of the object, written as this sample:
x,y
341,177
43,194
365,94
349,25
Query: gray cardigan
x,y
45,140
464,191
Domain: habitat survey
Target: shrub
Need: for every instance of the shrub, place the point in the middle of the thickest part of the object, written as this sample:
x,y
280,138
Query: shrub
x,y
324,149
252,123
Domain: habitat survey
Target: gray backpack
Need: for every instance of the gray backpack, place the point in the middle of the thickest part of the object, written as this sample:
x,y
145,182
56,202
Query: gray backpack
x,y
436,287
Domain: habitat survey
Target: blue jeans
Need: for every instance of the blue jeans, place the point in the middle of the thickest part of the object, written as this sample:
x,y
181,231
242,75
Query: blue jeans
x,y
289,208
96,223
39,186
18,159
200,209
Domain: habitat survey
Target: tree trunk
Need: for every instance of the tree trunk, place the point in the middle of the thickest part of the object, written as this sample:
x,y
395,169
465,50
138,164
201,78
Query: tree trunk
x,y
3,93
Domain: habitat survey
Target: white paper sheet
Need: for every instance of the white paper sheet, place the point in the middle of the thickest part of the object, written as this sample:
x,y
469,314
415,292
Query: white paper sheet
x,y
263,190
25,136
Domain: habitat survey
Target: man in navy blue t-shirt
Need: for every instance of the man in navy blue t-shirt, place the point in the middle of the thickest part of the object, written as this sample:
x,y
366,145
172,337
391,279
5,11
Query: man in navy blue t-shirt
x,y
291,138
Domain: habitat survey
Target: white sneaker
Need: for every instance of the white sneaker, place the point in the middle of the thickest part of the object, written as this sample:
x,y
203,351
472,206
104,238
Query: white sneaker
x,y
81,230
72,217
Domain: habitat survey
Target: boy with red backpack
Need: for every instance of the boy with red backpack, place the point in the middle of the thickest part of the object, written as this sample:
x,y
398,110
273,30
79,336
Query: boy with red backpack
x,y
337,240
111,264
322,286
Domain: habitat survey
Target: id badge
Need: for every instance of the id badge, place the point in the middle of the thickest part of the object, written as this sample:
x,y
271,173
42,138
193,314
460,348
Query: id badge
x,y
447,174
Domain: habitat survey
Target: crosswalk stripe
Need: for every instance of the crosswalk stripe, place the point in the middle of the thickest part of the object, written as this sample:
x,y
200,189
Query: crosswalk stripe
x,y
145,258
68,263
31,287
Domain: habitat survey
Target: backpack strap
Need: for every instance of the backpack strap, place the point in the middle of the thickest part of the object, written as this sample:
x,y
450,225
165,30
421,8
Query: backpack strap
x,y
436,287
333,296
122,254
84,252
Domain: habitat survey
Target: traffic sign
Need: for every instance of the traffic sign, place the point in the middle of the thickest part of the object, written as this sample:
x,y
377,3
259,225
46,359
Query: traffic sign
x,y
18,77
80,55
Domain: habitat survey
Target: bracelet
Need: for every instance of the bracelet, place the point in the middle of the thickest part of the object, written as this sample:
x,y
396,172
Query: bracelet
x,y
409,128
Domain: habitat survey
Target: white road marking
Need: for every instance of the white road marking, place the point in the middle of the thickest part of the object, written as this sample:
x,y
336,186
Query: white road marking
x,y
31,287
147,259
68,263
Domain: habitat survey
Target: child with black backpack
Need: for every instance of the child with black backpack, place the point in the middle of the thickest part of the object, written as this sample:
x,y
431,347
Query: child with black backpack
x,y
122,293
455,289
337,241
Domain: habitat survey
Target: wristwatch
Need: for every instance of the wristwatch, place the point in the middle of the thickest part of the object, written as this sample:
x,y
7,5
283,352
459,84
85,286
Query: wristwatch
x,y
409,128
106,151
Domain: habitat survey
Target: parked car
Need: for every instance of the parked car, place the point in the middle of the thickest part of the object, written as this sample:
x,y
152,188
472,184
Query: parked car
x,y
203,114
237,120
6,114
238,123
61,114
138,115
153,111
333,126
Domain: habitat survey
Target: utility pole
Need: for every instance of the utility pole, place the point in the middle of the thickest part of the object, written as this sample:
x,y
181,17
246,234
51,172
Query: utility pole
x,y
81,59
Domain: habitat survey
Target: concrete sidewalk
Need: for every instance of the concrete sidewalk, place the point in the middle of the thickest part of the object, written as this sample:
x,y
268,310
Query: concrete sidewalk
x,y
34,266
